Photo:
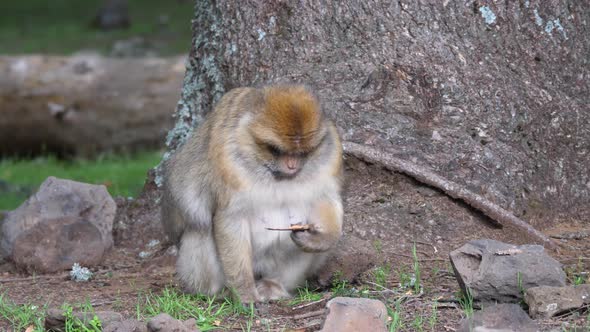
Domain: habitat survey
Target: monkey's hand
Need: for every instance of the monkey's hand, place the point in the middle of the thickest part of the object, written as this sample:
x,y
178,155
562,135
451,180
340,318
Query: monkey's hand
x,y
314,239
325,228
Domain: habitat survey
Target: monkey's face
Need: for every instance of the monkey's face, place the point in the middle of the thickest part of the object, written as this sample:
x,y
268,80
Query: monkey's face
x,y
284,156
281,164
287,131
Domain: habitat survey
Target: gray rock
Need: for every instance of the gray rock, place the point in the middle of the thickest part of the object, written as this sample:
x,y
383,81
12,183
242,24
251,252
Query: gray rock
x,y
55,318
59,198
56,244
128,325
506,317
165,323
546,301
491,269
355,314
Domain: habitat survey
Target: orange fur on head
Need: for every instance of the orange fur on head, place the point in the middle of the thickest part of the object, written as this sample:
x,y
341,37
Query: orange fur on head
x,y
293,114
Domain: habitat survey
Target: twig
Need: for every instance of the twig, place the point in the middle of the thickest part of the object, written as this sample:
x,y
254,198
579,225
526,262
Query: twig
x,y
101,303
564,315
428,244
36,278
422,259
576,259
572,236
310,314
452,189
310,303
294,228
385,289
446,306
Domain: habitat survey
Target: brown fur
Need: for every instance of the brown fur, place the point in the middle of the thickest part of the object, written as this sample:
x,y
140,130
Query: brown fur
x,y
226,184
290,119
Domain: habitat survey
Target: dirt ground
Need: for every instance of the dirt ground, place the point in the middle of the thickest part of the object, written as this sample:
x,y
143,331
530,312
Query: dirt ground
x,y
386,212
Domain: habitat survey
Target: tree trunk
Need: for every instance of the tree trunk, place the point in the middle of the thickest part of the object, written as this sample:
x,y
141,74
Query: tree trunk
x,y
493,96
83,105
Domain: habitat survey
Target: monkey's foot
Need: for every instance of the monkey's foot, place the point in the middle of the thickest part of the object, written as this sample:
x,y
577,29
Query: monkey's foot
x,y
270,289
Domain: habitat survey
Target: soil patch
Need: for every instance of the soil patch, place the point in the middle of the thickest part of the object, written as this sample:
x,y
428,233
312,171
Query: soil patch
x,y
389,212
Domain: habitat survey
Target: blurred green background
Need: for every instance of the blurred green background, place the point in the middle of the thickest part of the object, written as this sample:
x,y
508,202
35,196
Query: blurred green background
x,y
122,174
65,27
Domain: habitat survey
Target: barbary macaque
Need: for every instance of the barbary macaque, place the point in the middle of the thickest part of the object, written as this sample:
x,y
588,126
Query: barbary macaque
x,y
264,158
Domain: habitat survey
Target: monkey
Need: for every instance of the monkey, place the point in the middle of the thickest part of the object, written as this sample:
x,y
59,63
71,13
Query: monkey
x,y
264,157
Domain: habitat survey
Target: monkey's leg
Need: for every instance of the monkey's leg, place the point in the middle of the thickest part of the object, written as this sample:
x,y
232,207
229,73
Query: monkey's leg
x,y
302,266
271,289
289,273
234,246
198,265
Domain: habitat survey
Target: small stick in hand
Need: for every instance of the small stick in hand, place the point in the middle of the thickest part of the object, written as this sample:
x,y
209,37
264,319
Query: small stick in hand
x,y
294,228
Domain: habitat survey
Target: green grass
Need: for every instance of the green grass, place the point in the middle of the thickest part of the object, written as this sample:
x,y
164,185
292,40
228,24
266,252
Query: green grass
x,y
63,26
21,316
209,312
304,294
418,323
433,316
396,323
466,303
123,175
417,273
381,275
576,274
74,324
340,287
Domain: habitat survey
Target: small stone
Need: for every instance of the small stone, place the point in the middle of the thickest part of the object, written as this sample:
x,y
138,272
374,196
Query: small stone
x,y
144,254
128,325
55,318
346,314
546,301
496,271
506,317
436,136
153,243
190,323
165,323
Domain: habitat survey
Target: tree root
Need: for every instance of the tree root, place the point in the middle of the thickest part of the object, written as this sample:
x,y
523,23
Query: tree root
x,y
454,190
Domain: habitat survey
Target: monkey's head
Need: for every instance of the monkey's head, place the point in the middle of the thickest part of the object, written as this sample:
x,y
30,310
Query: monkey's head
x,y
288,130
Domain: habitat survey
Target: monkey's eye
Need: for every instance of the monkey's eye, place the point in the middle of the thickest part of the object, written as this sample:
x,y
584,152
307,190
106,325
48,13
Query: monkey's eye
x,y
275,151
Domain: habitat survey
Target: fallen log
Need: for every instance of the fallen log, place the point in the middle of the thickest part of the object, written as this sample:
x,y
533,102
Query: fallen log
x,y
86,104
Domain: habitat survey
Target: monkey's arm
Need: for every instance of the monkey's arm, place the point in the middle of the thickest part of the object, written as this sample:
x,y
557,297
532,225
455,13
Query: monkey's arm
x,y
187,200
325,227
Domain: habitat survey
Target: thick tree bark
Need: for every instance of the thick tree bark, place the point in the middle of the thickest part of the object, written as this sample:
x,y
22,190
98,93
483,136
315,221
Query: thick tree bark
x,y
85,104
491,95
